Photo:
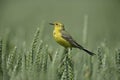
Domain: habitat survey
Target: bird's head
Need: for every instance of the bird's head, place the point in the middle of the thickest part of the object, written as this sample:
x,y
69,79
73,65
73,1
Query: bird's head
x,y
58,25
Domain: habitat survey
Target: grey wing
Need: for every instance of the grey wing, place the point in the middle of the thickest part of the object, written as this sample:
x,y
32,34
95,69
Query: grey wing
x,y
67,37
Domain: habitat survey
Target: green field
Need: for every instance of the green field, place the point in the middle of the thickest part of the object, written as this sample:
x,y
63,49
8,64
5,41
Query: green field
x,y
29,52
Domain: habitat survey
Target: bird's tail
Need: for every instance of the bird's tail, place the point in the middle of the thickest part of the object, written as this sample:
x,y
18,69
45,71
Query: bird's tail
x,y
76,45
89,52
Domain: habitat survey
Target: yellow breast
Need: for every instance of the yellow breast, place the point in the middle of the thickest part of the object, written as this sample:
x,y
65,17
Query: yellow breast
x,y
59,39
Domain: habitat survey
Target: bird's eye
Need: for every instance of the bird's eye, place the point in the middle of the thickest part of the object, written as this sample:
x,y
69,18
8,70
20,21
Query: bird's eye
x,y
56,24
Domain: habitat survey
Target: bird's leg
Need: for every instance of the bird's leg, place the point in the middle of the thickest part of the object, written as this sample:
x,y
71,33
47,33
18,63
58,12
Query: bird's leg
x,y
66,50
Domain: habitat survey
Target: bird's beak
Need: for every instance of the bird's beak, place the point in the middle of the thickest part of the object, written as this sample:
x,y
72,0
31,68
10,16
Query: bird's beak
x,y
51,23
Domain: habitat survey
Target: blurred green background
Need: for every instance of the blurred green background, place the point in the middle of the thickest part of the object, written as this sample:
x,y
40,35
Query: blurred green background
x,y
22,17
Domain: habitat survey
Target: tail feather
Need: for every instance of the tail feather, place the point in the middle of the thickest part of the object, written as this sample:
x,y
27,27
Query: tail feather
x,y
76,45
89,52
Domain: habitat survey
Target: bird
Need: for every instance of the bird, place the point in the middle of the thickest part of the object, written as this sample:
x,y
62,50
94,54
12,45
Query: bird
x,y
62,37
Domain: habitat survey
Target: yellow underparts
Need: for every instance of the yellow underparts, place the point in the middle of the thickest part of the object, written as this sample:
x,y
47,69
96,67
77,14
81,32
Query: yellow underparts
x,y
59,39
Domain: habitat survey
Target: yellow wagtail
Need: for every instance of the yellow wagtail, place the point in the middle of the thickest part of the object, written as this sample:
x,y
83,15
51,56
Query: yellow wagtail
x,y
64,38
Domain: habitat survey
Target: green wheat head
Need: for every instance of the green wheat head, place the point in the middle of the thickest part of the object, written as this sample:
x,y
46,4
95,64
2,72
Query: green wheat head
x,y
65,70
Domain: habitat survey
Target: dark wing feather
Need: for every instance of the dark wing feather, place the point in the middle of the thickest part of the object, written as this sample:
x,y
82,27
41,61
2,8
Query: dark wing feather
x,y
67,37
